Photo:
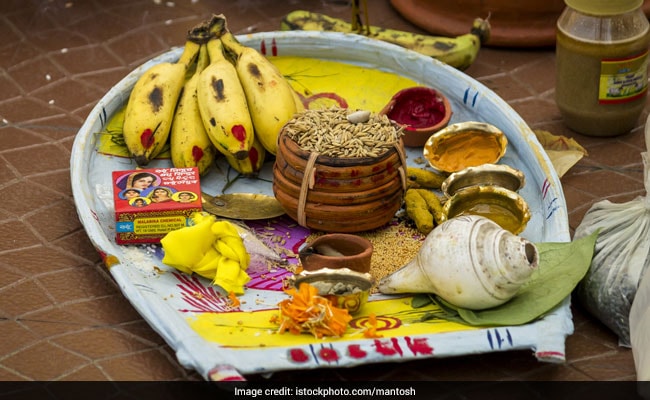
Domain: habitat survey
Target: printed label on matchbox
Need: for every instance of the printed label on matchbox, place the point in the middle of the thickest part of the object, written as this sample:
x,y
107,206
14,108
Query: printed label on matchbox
x,y
148,226
149,203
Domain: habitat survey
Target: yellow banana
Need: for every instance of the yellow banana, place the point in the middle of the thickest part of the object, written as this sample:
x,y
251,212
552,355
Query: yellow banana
x,y
459,52
152,102
189,142
270,96
223,106
251,165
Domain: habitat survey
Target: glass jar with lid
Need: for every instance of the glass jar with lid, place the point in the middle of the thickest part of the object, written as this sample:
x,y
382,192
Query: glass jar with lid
x,y
602,65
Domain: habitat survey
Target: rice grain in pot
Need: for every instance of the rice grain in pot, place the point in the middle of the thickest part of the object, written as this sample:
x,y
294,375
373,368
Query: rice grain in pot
x,y
327,156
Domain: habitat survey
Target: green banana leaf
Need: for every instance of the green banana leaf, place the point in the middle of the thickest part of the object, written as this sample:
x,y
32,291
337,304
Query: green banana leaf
x,y
561,267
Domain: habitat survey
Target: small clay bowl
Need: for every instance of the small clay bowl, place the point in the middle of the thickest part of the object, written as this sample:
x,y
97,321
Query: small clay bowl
x,y
465,144
336,251
421,111
343,287
484,175
505,207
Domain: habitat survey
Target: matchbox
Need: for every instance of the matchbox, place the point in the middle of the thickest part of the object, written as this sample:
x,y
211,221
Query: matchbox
x,y
149,203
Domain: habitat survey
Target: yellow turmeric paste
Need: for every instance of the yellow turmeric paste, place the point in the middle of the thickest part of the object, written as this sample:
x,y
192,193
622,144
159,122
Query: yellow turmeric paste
x,y
465,149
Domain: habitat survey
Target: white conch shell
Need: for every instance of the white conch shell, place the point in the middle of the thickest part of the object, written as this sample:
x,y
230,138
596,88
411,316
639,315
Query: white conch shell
x,y
469,261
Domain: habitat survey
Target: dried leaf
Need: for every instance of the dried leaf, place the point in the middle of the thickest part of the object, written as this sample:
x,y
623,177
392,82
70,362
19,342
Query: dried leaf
x,y
563,152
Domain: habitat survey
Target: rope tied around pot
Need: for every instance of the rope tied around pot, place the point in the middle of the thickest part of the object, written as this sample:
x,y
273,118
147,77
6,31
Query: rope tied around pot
x,y
402,158
307,183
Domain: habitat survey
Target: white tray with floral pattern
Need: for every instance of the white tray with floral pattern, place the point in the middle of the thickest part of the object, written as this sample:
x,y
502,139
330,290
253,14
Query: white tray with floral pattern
x,y
224,343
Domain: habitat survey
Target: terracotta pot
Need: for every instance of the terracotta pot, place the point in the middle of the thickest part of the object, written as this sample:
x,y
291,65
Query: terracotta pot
x,y
339,167
336,251
351,198
339,194
514,23
344,217
337,179
412,107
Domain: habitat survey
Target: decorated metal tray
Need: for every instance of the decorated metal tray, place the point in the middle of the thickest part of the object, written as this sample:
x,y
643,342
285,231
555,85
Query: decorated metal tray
x,y
223,342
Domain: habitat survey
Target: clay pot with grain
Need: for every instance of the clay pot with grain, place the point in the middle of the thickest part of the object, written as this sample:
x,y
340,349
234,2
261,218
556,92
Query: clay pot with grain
x,y
338,194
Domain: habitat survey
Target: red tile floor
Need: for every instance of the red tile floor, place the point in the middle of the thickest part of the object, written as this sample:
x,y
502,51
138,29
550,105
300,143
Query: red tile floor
x,y
61,315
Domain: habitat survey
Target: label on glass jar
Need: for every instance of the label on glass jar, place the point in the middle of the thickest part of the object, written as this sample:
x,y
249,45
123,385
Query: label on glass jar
x,y
623,79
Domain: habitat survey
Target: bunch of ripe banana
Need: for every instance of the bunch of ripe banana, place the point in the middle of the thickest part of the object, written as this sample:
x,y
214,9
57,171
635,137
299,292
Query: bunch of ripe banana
x,y
219,97
459,52
211,248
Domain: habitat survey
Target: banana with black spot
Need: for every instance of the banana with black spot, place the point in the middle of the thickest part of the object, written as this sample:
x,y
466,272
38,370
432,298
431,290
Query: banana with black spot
x,y
249,166
223,106
189,142
271,99
459,52
152,102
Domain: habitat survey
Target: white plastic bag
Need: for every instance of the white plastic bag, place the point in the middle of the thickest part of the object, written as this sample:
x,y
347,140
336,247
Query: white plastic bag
x,y
640,331
620,260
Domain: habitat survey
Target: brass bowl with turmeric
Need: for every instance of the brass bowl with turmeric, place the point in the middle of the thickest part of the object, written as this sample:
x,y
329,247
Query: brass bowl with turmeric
x,y
465,144
503,206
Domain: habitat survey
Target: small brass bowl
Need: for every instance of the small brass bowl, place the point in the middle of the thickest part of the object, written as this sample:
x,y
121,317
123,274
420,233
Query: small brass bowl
x,y
465,144
484,175
505,207
343,287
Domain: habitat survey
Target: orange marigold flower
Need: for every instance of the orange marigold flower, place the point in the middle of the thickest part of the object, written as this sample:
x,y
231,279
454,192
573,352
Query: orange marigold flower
x,y
307,311
233,300
370,331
